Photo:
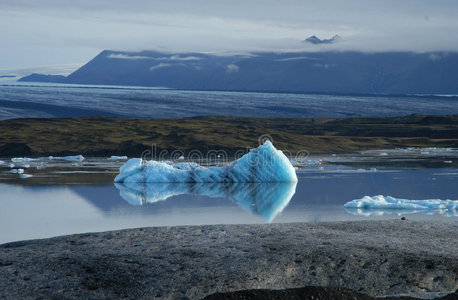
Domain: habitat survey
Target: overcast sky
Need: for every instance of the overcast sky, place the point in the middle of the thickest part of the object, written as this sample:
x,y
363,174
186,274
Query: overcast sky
x,y
37,33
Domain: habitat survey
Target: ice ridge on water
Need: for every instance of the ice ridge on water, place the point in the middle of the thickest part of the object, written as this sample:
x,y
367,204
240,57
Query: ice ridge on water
x,y
262,164
388,203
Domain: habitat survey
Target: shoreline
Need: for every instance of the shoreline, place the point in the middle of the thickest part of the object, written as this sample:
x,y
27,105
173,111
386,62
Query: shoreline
x,y
372,257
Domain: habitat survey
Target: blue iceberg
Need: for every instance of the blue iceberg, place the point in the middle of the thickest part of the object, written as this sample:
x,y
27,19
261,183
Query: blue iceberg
x,y
262,164
378,205
264,199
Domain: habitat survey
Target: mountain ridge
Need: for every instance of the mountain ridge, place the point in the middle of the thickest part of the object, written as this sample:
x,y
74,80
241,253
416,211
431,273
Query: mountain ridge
x,y
320,72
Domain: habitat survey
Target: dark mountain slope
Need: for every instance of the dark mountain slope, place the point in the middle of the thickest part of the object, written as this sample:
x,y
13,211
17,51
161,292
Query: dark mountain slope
x,y
322,72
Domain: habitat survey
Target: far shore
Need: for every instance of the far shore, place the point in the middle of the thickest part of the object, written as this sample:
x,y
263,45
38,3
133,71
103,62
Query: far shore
x,y
106,136
371,257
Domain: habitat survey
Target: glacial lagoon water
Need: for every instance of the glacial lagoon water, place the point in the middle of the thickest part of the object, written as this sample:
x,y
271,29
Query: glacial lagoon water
x,y
65,197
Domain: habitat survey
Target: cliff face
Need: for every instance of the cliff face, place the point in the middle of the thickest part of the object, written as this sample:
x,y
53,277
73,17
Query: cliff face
x,y
322,72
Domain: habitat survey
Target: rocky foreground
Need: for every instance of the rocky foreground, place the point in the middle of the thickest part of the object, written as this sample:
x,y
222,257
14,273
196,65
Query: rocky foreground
x,y
371,257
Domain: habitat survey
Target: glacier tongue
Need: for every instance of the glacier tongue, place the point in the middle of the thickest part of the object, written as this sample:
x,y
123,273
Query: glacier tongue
x,y
262,164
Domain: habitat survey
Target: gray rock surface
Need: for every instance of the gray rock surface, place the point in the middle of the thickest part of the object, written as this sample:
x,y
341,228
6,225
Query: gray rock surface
x,y
372,257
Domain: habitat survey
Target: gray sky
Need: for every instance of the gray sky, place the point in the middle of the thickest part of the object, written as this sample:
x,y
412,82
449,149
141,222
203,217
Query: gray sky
x,y
36,33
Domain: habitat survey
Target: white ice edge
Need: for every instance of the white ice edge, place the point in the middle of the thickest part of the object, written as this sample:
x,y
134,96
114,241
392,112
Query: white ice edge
x,y
262,164
68,158
23,159
17,171
386,203
115,157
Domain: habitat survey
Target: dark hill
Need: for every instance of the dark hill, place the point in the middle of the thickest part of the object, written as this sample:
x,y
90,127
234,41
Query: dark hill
x,y
322,72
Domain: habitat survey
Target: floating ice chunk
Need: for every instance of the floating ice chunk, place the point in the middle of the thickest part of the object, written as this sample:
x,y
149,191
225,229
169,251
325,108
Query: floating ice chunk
x,y
17,171
181,157
25,176
69,158
11,166
262,164
25,166
23,159
382,203
114,157
447,161
2,162
264,199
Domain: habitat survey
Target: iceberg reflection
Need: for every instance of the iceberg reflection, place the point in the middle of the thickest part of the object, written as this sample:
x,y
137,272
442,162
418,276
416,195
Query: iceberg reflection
x,y
264,199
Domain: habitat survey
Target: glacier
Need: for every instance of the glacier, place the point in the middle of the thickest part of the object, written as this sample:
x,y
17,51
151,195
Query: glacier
x,y
378,205
264,199
261,164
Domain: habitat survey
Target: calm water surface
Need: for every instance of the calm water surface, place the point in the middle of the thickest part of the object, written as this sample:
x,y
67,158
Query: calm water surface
x,y
65,197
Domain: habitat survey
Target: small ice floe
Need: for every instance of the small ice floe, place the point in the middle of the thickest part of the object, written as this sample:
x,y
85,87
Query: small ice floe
x,y
23,159
313,162
17,171
11,166
383,154
25,166
23,176
40,166
308,162
68,158
2,162
182,157
114,157
447,161
262,164
380,204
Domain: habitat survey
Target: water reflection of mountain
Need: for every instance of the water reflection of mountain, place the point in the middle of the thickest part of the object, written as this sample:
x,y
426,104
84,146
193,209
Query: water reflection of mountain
x,y
264,199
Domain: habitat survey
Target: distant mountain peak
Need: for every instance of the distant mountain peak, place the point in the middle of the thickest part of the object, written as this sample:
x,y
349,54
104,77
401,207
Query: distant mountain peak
x,y
317,41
